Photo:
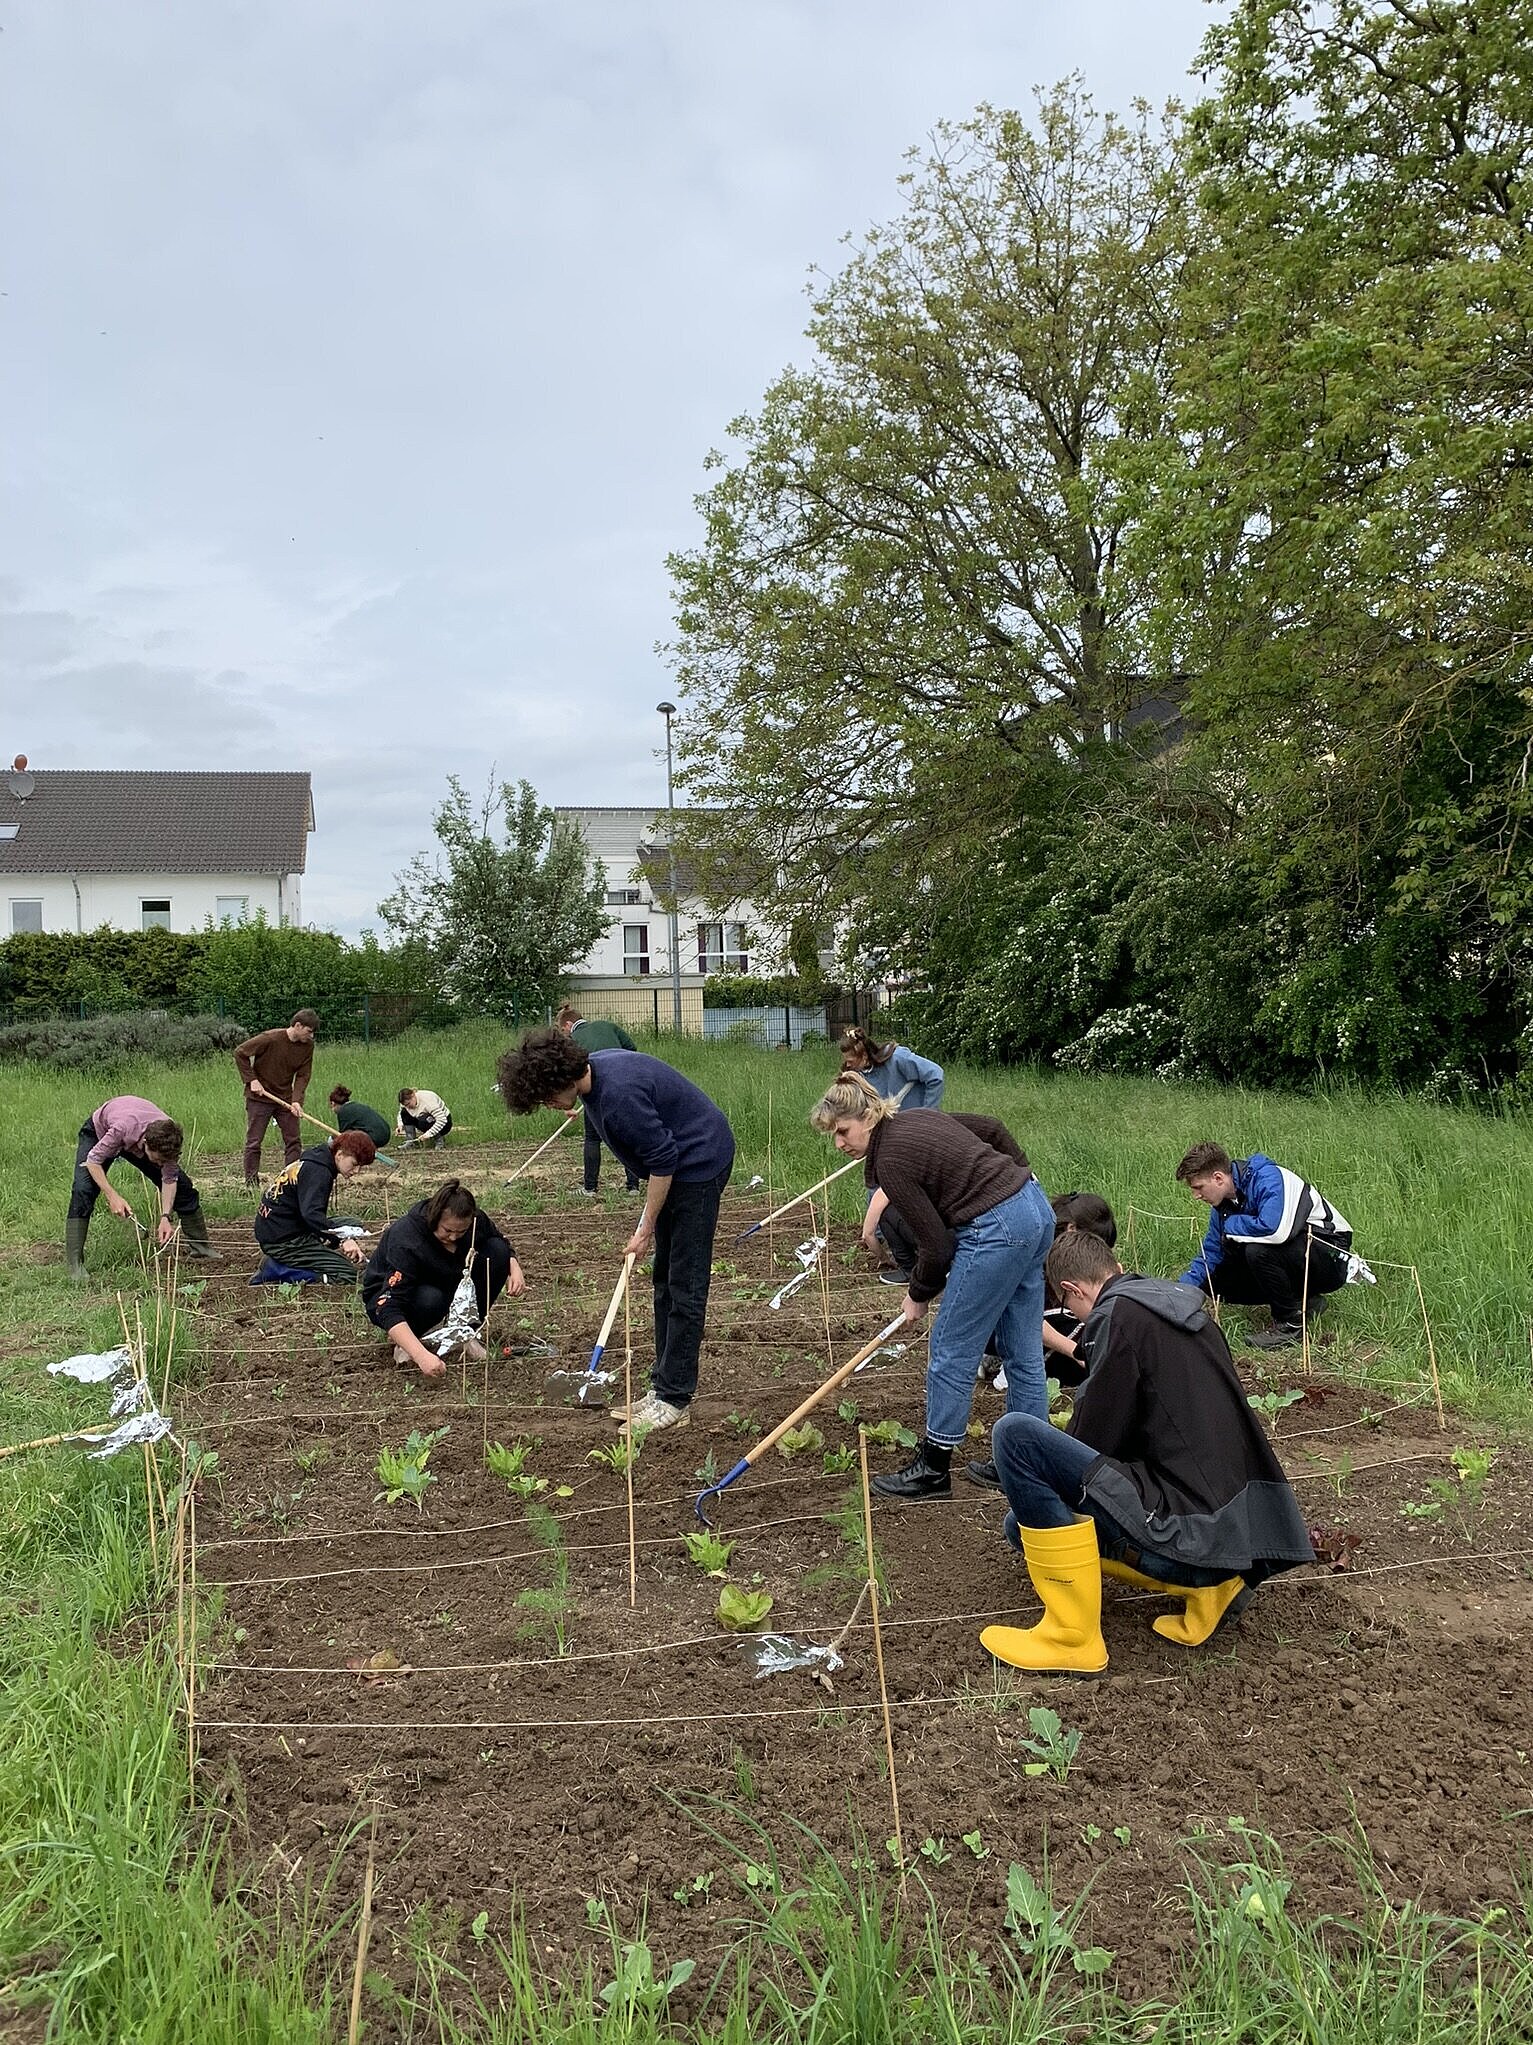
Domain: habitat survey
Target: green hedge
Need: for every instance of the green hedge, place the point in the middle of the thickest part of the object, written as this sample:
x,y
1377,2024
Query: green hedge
x,y
108,1040
744,990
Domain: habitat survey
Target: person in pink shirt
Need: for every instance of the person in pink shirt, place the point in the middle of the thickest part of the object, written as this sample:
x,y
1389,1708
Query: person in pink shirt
x,y
136,1130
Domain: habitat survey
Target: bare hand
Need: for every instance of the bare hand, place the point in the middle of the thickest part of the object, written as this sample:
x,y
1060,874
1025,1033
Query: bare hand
x,y
913,1309
165,1231
431,1366
119,1206
641,1242
516,1280
870,1241
351,1249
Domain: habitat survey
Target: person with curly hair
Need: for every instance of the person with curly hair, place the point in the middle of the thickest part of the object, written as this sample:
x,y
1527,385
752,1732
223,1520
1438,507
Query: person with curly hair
x,y
293,1224
145,1137
663,1129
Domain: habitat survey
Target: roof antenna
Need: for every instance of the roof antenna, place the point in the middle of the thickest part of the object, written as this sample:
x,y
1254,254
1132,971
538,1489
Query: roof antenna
x,y
22,783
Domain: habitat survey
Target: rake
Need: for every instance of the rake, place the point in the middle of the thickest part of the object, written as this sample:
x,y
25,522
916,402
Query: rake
x,y
838,1377
525,1165
593,1375
798,1199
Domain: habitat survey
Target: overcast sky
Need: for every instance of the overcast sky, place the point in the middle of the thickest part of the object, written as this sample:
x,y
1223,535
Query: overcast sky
x,y
362,356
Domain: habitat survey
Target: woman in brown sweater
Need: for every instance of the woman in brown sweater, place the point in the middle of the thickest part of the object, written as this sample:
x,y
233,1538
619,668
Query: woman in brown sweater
x,y
982,1227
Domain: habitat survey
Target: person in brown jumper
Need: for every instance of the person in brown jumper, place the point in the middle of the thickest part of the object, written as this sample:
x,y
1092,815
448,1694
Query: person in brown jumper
x,y
275,1067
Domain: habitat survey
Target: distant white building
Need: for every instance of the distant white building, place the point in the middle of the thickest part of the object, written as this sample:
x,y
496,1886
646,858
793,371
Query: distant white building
x,y
146,851
637,944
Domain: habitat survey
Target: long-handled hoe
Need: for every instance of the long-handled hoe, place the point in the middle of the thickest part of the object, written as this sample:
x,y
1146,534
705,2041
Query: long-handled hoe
x,y
593,1376
797,1201
389,1163
527,1163
837,1378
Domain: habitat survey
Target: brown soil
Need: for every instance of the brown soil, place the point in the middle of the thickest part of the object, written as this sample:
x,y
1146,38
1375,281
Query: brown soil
x,y
1393,1696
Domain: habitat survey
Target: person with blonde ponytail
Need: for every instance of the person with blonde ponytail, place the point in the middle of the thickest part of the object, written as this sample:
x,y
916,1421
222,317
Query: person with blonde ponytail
x,y
982,1226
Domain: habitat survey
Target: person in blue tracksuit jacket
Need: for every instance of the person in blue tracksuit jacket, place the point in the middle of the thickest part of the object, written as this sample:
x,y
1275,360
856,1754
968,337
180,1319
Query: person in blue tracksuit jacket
x,y
893,1071
1272,1240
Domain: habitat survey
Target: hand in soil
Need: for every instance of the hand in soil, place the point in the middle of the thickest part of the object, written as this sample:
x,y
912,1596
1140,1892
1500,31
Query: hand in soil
x,y
516,1280
430,1367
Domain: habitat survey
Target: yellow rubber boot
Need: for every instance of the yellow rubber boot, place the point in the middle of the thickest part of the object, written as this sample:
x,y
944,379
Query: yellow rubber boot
x,y
1067,1575
1203,1612
1123,1574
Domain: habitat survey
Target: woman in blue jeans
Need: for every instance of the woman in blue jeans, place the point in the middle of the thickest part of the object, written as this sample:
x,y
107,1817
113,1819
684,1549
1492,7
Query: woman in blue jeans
x,y
981,1226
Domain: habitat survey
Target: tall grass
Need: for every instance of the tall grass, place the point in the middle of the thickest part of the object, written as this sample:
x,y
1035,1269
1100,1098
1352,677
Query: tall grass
x,y
1436,1187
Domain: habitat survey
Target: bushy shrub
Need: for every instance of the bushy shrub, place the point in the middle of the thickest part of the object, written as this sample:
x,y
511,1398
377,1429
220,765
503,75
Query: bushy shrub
x,y
42,972
747,990
101,1042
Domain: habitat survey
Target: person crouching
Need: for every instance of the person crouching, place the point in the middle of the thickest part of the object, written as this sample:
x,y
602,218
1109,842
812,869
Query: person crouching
x,y
1163,1479
418,1265
293,1224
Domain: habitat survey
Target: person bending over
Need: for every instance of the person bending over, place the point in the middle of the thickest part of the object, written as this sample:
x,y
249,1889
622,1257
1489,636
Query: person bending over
x,y
982,1227
894,1072
423,1118
293,1224
666,1130
145,1137
1088,1211
1272,1240
417,1266
600,1035
1164,1478
350,1114
276,1067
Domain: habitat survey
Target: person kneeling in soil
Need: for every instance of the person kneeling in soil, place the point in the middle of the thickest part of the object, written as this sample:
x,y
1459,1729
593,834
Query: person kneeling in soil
x,y
981,1225
1163,1479
1091,1213
350,1114
424,1117
136,1130
662,1128
413,1275
1272,1240
293,1224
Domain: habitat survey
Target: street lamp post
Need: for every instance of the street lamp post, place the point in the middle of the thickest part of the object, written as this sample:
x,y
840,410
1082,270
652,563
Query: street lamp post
x,y
668,711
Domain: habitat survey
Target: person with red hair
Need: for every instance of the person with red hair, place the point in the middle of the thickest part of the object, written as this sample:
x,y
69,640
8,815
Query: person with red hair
x,y
293,1224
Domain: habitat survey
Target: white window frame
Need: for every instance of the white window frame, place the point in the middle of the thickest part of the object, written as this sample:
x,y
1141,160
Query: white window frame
x,y
26,902
223,919
721,948
636,960
624,898
156,907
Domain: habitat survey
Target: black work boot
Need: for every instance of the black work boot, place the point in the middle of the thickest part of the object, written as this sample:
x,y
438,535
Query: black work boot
x,y
74,1247
983,1473
194,1234
926,1477
1281,1335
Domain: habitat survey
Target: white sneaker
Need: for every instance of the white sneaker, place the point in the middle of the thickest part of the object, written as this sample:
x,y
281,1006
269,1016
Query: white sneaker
x,y
588,1193
649,1413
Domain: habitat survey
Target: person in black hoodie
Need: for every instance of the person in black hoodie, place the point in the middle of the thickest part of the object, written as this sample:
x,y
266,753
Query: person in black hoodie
x,y
293,1224
1164,1478
414,1273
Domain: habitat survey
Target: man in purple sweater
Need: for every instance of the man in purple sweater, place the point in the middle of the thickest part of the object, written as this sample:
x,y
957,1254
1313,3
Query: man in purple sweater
x,y
144,1136
663,1129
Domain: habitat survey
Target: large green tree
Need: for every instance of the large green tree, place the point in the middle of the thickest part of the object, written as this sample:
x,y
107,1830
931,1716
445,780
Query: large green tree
x,y
909,610
507,905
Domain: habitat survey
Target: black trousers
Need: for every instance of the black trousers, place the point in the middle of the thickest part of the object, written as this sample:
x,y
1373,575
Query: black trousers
x,y
426,1306
898,1240
84,1192
1272,1275
591,1163
684,1232
414,1127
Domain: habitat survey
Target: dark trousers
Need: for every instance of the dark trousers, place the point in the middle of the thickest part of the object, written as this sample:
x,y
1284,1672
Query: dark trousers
x,y
591,1163
898,1241
427,1306
1272,1275
684,1232
84,1192
1043,1472
314,1253
414,1125
258,1113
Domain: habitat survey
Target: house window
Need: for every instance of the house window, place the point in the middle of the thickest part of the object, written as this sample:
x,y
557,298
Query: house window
x,y
635,948
25,915
721,948
623,898
229,909
153,914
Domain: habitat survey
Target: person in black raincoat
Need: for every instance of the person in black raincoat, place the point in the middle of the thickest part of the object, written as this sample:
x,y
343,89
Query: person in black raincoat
x,y
418,1265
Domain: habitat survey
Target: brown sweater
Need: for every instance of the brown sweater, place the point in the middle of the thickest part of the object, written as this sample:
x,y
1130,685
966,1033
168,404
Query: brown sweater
x,y
282,1066
940,1171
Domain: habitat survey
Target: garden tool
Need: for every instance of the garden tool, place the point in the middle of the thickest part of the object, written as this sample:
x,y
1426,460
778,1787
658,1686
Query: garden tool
x,y
777,1212
390,1164
836,1379
593,1376
1066,1569
568,1123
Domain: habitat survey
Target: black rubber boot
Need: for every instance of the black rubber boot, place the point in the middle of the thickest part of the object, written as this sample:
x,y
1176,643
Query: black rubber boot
x,y
74,1248
194,1235
927,1477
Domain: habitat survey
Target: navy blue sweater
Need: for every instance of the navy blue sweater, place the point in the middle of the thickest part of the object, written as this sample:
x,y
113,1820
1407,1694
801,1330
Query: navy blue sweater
x,y
656,1122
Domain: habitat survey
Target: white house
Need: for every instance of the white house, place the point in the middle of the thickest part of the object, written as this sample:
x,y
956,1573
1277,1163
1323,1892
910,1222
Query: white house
x,y
152,850
637,944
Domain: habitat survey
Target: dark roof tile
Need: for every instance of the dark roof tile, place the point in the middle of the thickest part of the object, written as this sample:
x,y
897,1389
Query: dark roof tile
x,y
158,823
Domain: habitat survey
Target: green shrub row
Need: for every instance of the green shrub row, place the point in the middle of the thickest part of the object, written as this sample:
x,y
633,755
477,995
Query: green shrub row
x,y
747,990
107,1040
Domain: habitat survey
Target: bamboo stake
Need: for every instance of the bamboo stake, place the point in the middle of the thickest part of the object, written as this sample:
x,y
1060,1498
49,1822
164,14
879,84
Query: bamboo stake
x,y
1437,1390
181,1571
48,1441
830,1344
1132,1243
191,1633
364,1929
878,1656
771,1237
138,1371
633,1548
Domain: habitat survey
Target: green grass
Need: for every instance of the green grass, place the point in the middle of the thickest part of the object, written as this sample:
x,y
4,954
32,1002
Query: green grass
x,y
121,1910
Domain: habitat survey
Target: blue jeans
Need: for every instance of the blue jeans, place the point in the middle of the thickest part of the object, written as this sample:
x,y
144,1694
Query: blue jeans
x,y
995,1287
1043,1473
